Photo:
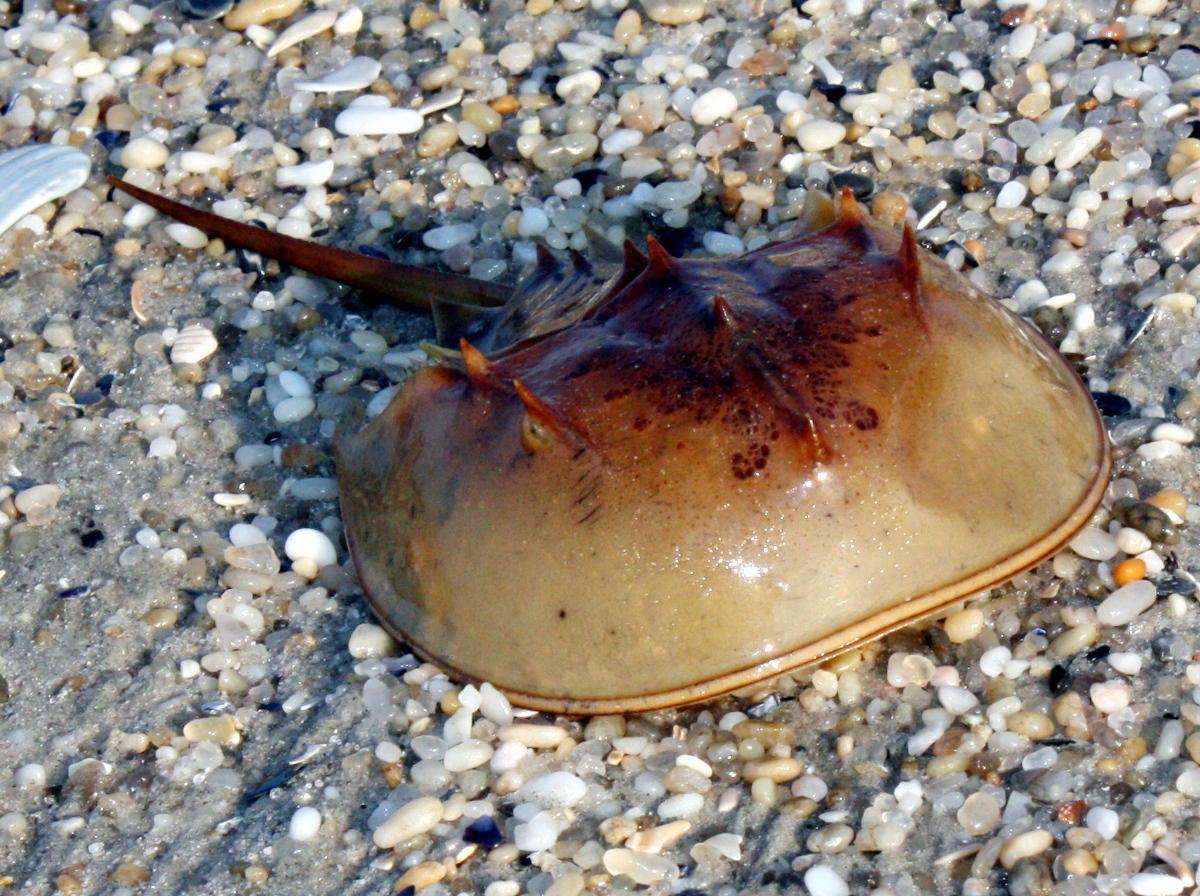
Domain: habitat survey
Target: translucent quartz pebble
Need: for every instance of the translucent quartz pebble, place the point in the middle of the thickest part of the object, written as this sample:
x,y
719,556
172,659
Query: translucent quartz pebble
x,y
358,73
641,867
31,176
1127,603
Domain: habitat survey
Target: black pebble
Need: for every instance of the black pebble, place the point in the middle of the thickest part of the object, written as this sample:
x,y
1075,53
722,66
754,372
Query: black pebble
x,y
860,185
1111,405
832,92
91,538
483,831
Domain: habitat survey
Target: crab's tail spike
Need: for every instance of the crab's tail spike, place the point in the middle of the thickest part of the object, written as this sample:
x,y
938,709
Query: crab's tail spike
x,y
910,266
722,312
815,215
542,424
399,282
660,260
478,367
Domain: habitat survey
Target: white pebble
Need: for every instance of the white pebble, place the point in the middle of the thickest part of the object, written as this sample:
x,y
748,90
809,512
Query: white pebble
x,y
516,57
305,823
1110,696
1125,663
534,222
449,236
408,821
1094,544
144,152
818,136
537,834
713,105
1104,822
993,661
1173,432
957,700
306,174
372,121
162,446
681,805
1078,148
309,26
370,642
821,880
1011,195
310,544
554,790
187,236
292,410
1127,603
641,867
1132,541
295,384
471,753
1146,883
31,776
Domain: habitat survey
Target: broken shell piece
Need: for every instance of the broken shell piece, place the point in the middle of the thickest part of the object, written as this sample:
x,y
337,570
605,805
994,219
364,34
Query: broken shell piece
x,y
31,176
193,344
358,73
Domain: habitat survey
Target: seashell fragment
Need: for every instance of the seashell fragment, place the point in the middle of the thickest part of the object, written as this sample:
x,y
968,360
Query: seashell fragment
x,y
309,26
194,343
31,176
358,73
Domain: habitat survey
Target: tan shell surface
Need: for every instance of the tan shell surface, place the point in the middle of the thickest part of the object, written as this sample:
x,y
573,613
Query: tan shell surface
x,y
724,470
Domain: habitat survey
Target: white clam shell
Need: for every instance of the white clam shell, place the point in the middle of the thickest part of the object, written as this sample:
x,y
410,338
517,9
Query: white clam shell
x,y
193,344
359,72
31,176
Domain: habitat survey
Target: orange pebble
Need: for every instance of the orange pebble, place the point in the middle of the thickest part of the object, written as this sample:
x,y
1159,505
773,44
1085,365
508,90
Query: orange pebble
x,y
1170,499
1129,571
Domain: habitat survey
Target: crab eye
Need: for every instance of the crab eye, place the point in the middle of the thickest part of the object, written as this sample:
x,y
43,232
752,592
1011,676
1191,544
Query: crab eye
x,y
535,435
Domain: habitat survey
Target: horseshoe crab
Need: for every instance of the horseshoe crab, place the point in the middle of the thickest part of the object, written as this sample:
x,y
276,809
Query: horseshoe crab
x,y
633,488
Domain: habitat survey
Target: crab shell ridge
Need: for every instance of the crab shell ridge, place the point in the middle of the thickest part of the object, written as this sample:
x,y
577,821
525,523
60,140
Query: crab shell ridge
x,y
714,471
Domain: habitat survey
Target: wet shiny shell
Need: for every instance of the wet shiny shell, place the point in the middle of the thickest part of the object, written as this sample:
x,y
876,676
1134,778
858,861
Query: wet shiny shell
x,y
706,472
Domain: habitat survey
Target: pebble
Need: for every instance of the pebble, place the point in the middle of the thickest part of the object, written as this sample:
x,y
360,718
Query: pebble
x,y
642,868
713,105
819,136
565,151
304,824
1127,603
143,152
1188,783
306,174
1093,544
375,121
554,790
1110,696
516,57
536,835
979,814
310,544
411,819
293,410
1147,883
674,12
448,236
822,880
1024,846
187,236
469,754
369,641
